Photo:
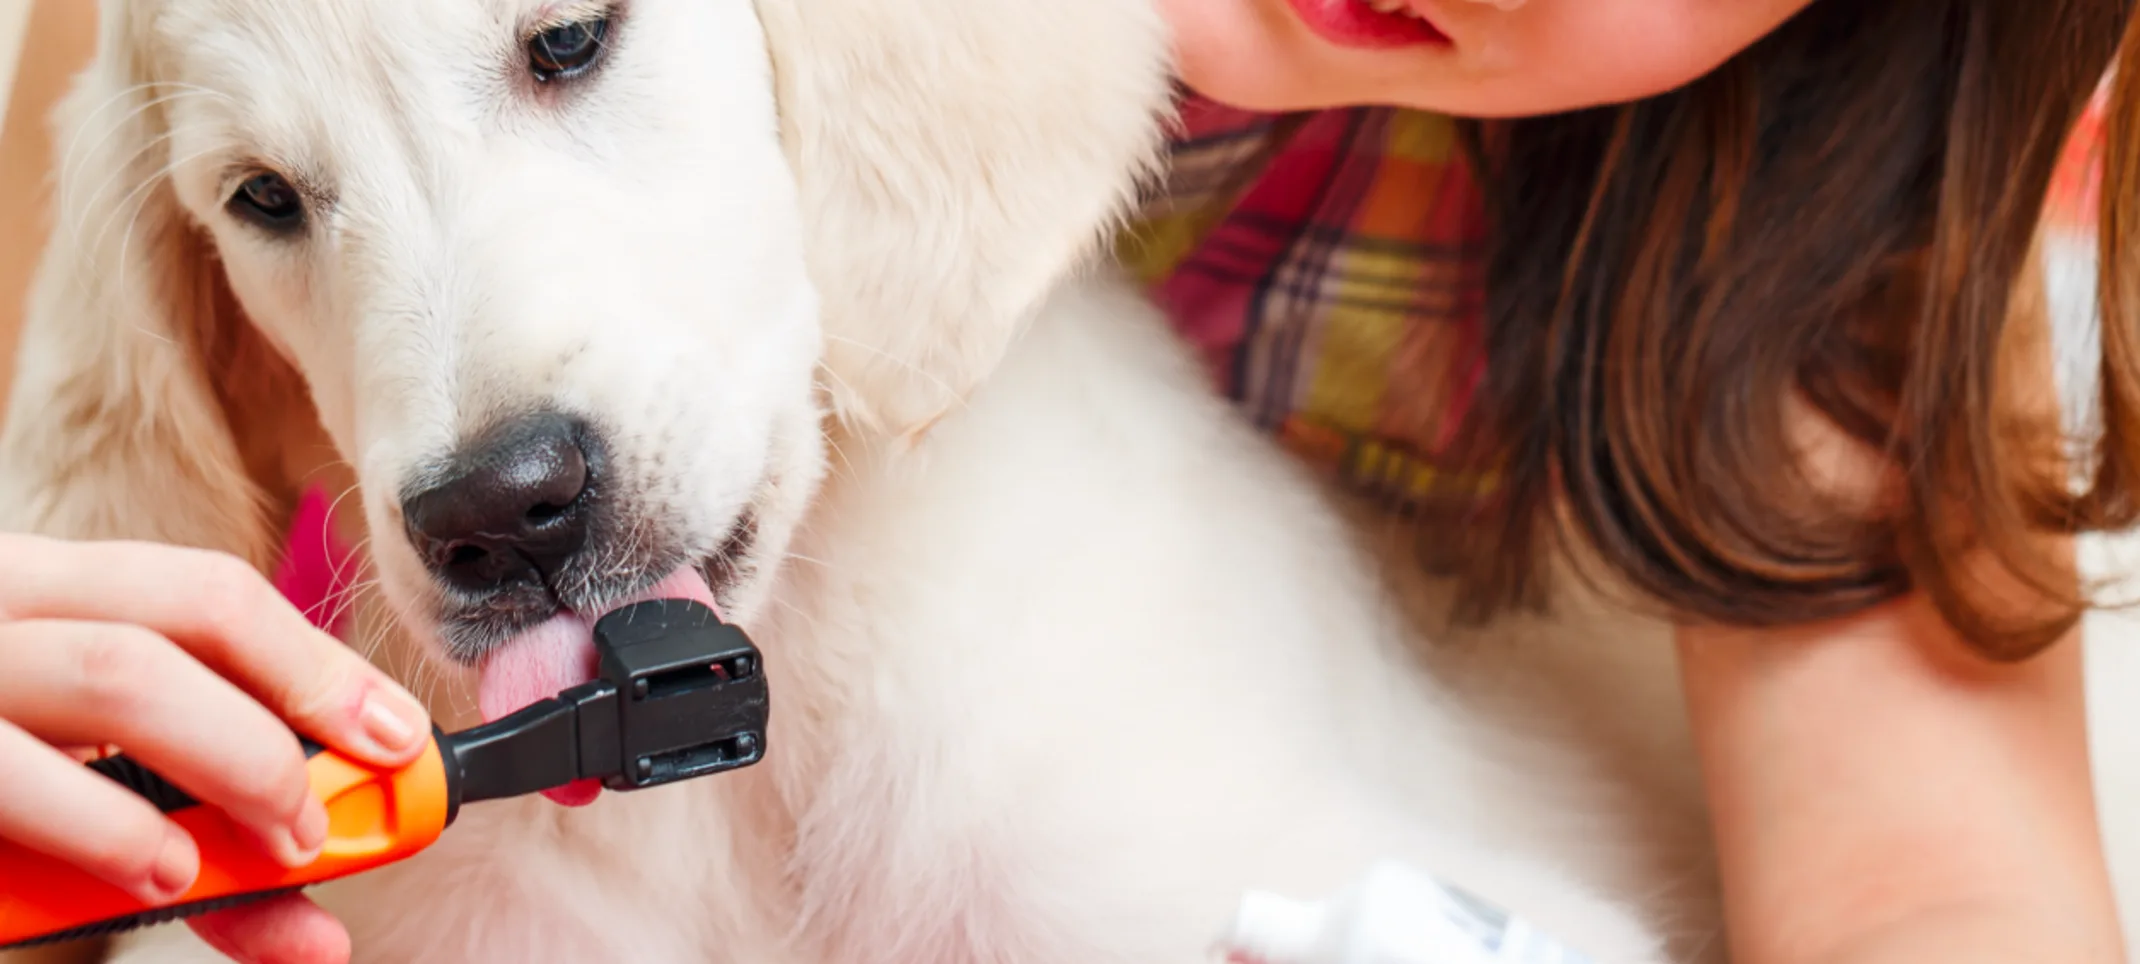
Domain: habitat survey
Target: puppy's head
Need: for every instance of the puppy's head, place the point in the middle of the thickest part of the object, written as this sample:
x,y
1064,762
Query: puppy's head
x,y
545,267
540,265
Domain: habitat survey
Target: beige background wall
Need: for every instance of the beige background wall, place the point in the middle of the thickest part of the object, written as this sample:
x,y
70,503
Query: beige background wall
x,y
14,17
31,76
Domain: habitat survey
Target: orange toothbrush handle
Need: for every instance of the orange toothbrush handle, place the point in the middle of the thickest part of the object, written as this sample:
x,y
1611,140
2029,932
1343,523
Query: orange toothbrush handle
x,y
375,817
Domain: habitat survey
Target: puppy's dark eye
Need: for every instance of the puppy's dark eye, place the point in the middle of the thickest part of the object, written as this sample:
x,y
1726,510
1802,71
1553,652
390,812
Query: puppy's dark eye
x,y
567,50
267,200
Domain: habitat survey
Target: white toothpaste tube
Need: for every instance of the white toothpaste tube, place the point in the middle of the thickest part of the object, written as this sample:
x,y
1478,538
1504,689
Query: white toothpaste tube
x,y
1393,915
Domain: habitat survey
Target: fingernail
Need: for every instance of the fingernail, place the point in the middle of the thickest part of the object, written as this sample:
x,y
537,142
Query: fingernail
x,y
300,844
392,721
178,862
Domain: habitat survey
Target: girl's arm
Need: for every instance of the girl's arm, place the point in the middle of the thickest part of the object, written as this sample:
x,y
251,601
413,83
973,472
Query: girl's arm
x,y
1880,794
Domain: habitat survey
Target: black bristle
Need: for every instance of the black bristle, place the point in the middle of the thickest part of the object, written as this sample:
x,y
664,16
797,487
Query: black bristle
x,y
150,918
155,789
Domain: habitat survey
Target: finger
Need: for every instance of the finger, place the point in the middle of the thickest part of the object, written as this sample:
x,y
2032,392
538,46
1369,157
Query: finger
x,y
62,809
72,683
282,930
233,620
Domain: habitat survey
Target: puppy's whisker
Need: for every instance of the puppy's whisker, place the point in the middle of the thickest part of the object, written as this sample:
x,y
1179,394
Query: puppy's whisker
x,y
85,206
805,617
82,129
334,506
347,607
70,163
371,641
846,464
358,570
343,609
345,600
153,181
904,364
74,155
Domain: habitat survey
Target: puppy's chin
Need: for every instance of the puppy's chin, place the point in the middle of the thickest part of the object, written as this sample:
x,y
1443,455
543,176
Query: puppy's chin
x,y
559,654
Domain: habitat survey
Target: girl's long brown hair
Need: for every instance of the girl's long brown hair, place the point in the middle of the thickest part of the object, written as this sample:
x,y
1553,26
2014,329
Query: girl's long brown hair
x,y
1843,216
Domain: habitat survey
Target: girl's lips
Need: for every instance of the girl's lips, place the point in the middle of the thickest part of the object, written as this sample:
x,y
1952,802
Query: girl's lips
x,y
1352,23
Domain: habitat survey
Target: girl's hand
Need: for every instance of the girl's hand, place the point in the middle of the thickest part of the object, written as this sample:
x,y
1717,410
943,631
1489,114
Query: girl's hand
x,y
195,665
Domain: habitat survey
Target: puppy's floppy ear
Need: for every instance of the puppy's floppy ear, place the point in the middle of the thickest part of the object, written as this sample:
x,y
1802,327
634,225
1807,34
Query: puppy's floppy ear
x,y
134,355
956,158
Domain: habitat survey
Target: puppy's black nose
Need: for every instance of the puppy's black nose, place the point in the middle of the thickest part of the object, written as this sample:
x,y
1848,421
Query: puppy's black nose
x,y
512,510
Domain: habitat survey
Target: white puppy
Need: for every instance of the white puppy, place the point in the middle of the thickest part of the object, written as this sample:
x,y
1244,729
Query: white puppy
x,y
594,298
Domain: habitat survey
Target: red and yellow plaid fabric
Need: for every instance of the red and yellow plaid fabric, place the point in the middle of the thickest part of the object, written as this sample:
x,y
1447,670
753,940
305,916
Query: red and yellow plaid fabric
x,y
1311,256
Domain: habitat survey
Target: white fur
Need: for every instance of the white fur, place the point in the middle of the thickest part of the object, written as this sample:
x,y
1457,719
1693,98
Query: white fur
x,y
1055,686
1064,657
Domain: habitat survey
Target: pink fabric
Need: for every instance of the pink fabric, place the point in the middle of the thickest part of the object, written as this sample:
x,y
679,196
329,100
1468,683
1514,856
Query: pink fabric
x,y
316,566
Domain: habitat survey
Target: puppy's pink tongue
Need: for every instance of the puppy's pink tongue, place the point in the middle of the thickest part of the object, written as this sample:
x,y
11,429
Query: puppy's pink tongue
x,y
558,655
534,666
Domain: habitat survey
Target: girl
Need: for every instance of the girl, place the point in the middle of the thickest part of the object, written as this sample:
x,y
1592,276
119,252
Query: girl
x,y
1733,298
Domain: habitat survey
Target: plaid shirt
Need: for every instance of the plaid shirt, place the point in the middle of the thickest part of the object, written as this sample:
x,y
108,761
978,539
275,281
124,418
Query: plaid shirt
x,y
1311,256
